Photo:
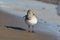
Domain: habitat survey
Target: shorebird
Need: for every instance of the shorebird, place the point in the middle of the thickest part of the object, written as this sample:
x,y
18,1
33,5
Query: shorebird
x,y
30,20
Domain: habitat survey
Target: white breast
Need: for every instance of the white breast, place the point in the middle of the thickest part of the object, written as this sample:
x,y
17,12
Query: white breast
x,y
32,21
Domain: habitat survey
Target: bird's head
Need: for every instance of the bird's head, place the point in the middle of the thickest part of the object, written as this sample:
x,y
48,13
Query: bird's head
x,y
29,12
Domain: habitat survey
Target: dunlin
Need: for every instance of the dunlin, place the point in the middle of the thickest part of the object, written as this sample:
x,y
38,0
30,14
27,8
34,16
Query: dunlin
x,y
30,20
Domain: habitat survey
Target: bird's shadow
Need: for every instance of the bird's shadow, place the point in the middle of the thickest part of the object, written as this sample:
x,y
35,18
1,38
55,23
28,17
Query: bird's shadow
x,y
16,28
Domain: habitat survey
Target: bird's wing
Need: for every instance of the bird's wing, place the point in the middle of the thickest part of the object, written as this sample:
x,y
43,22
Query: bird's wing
x,y
24,16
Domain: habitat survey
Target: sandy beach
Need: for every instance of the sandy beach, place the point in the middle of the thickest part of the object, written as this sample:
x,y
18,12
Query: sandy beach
x,y
13,26
13,34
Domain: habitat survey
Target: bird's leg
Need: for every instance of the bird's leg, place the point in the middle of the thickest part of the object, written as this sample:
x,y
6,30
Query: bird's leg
x,y
28,28
32,29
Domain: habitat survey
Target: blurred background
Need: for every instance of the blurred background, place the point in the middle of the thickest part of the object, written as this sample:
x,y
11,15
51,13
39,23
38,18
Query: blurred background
x,y
13,26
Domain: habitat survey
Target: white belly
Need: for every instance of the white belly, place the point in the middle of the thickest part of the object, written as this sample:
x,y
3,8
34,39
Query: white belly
x,y
33,21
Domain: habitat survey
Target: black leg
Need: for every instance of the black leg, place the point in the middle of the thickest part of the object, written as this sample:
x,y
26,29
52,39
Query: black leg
x,y
28,28
32,29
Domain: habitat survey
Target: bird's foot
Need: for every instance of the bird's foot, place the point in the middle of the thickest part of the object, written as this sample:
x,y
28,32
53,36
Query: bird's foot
x,y
33,32
28,31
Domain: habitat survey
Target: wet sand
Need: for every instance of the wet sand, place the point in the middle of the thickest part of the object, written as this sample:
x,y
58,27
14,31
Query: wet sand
x,y
13,34
11,20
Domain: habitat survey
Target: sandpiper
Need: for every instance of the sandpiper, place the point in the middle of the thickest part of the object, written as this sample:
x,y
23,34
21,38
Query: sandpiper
x,y
30,20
